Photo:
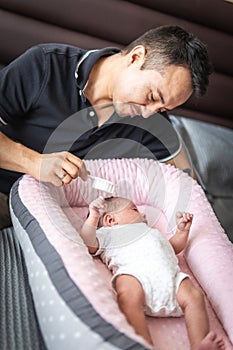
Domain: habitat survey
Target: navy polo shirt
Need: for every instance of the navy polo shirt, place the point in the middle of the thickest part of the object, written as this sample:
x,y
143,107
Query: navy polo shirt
x,y
42,105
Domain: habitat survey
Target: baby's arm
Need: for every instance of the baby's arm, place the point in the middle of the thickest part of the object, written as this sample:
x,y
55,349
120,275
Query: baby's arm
x,y
88,231
180,238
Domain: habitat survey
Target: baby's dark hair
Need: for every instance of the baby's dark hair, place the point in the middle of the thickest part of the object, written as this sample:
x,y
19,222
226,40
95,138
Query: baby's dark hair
x,y
113,204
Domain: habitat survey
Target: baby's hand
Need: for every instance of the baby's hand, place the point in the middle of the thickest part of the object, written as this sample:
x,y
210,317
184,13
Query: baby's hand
x,y
184,221
97,207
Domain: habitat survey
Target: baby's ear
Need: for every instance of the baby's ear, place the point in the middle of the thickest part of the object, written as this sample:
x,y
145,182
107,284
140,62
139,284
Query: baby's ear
x,y
109,220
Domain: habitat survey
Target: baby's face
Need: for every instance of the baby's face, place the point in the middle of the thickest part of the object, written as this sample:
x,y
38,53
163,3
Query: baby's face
x,y
129,214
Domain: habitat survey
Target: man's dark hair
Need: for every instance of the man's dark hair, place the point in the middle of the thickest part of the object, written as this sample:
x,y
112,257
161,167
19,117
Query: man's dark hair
x,y
173,45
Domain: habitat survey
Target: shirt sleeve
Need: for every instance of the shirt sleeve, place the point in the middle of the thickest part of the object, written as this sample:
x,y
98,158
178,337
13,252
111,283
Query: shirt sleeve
x,y
20,84
103,239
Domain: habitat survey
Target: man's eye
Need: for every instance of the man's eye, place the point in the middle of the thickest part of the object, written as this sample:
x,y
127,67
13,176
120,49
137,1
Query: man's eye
x,y
152,98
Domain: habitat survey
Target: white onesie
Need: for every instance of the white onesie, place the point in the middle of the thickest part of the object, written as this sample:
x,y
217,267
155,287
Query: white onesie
x,y
143,252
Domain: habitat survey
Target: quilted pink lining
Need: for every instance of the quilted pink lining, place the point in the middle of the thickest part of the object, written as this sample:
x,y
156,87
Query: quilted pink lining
x,y
160,190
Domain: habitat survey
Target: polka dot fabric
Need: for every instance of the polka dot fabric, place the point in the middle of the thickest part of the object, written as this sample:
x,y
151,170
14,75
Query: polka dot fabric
x,y
72,291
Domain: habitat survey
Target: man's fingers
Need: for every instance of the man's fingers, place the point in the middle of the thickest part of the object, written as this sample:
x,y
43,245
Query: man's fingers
x,y
66,179
61,167
83,172
75,167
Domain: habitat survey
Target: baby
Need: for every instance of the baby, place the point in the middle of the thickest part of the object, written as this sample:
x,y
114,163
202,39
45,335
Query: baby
x,y
146,274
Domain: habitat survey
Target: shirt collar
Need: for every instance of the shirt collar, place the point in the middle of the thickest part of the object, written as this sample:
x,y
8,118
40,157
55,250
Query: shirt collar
x,y
87,61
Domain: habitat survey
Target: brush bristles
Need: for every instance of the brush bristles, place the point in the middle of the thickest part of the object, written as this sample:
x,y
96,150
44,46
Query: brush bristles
x,y
102,184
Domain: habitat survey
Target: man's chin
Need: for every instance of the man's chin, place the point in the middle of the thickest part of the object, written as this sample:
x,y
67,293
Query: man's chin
x,y
122,114
129,112
126,114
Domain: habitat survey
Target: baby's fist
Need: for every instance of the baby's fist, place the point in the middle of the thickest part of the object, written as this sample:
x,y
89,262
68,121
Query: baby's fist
x,y
184,221
97,207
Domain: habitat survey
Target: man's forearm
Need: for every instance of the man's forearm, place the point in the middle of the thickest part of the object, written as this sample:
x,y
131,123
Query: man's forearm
x,y
16,157
183,162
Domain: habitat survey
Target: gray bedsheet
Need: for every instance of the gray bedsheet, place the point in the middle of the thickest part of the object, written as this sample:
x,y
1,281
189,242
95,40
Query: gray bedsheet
x,y
19,329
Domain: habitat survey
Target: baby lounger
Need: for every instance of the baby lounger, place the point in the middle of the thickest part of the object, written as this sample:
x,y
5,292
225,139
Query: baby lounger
x,y
74,302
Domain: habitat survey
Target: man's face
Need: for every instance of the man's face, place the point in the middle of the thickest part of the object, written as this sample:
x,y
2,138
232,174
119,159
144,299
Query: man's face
x,y
145,92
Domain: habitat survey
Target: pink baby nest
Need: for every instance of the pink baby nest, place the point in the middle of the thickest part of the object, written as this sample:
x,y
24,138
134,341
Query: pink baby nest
x,y
67,282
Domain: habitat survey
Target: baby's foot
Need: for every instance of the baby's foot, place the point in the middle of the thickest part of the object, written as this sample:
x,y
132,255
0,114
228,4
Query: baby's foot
x,y
211,342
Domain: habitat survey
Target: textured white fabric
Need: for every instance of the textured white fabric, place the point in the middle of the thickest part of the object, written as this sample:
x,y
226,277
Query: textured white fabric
x,y
143,252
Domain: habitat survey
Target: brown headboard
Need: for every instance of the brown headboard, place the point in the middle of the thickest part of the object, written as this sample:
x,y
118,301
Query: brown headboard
x,y
99,23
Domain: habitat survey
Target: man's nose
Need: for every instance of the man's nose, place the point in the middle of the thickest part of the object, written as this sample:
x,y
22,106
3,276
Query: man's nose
x,y
147,111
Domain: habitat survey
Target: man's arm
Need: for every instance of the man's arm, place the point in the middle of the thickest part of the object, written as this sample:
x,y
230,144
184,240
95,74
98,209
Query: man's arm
x,y
44,167
182,162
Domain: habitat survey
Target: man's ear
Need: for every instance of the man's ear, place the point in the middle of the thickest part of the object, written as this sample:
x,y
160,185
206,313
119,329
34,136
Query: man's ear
x,y
137,55
109,220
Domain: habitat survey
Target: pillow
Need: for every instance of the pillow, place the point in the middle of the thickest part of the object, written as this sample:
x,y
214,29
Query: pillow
x,y
75,305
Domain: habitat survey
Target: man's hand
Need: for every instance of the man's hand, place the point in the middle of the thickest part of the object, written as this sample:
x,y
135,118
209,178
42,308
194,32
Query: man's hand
x,y
56,168
60,168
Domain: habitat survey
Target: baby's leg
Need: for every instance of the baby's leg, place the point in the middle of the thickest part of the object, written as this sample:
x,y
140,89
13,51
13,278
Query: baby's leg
x,y
191,300
131,298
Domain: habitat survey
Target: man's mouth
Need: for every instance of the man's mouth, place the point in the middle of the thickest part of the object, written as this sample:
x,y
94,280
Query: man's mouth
x,y
134,110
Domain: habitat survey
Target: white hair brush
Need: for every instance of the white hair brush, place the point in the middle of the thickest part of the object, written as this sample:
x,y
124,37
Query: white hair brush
x,y
102,184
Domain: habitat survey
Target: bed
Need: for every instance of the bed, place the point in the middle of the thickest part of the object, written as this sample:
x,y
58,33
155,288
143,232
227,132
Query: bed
x,y
74,303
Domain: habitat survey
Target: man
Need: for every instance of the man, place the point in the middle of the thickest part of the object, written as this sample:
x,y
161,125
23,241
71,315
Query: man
x,y
60,104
